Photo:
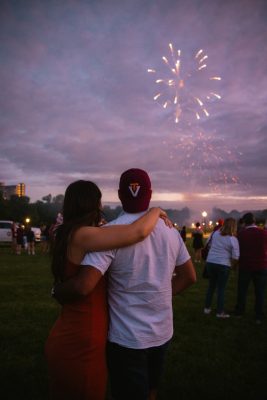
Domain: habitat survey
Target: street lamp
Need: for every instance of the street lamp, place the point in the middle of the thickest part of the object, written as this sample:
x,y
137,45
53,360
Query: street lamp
x,y
27,220
204,215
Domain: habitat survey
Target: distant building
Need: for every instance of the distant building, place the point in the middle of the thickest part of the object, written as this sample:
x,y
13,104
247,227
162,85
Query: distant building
x,y
10,190
20,189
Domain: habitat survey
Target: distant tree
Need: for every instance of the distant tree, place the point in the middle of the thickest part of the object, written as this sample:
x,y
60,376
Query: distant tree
x,y
48,198
3,207
58,199
181,217
47,212
18,208
264,215
218,213
234,214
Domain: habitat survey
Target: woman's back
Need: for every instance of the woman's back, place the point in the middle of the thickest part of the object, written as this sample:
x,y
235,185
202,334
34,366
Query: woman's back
x,y
223,249
75,348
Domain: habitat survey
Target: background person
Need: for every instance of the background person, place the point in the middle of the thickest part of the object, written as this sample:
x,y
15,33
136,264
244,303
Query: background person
x,y
44,245
197,235
14,237
20,240
30,240
240,225
183,233
252,266
223,253
75,348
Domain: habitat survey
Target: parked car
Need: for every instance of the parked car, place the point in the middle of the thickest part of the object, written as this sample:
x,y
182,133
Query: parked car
x,y
6,231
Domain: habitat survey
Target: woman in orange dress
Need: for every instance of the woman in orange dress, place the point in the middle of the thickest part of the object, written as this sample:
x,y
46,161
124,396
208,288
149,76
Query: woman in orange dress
x,y
75,348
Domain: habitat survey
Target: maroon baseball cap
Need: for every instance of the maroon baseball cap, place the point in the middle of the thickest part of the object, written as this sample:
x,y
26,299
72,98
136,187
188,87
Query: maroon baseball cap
x,y
135,190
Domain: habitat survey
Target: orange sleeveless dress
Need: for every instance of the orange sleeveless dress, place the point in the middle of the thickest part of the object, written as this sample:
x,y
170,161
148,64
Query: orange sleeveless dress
x,y
75,348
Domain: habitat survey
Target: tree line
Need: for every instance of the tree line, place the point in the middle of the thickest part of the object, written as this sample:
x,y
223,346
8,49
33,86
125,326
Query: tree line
x,y
46,210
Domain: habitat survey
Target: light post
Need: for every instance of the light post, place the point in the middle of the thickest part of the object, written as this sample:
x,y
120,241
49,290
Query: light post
x,y
27,220
204,216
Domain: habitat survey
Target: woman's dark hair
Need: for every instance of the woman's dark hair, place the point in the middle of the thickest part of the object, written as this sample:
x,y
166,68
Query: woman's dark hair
x,y
81,207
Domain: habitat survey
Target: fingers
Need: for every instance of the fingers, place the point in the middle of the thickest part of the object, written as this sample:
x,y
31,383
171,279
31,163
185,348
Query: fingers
x,y
167,221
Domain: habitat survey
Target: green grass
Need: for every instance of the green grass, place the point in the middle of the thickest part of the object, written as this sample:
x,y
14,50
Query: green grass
x,y
208,358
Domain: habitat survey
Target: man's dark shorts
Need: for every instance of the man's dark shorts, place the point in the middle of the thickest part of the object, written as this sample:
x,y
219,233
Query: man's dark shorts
x,y
134,372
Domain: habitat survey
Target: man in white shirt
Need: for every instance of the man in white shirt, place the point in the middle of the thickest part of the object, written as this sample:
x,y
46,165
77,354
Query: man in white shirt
x,y
142,279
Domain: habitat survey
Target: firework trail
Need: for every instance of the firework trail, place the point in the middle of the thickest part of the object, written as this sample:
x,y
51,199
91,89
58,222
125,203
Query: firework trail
x,y
184,89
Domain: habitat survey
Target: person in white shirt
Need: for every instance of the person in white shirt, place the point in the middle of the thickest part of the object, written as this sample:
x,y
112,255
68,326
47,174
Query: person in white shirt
x,y
223,254
140,289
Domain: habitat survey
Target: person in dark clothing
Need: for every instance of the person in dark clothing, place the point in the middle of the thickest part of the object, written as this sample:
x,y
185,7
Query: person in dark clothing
x,y
20,233
30,240
183,233
197,235
252,266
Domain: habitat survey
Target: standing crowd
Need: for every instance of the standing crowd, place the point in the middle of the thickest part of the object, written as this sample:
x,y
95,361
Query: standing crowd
x,y
245,249
22,238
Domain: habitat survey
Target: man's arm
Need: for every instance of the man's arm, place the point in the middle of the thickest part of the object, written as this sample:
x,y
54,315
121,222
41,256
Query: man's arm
x,y
77,287
184,276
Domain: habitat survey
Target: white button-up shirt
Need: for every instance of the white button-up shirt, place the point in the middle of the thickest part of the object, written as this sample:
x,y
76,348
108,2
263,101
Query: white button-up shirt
x,y
139,289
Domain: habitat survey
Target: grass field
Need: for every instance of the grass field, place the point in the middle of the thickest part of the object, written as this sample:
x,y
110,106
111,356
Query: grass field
x,y
208,358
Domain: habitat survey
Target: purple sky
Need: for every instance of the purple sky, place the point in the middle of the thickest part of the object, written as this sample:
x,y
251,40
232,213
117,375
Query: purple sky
x,y
77,100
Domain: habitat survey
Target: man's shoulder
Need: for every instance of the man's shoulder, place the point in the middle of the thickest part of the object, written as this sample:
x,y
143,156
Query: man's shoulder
x,y
125,218
167,233
251,232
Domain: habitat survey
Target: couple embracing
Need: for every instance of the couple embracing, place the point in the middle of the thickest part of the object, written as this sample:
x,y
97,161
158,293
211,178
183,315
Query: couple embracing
x,y
116,284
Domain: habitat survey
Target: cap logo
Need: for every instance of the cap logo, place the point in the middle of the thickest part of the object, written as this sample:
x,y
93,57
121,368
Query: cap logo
x,y
134,189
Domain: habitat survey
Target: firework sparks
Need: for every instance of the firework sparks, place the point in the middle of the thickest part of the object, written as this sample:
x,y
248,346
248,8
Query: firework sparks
x,y
206,157
183,89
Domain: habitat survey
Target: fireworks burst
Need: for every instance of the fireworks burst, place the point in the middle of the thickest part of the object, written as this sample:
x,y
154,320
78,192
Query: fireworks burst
x,y
183,89
206,157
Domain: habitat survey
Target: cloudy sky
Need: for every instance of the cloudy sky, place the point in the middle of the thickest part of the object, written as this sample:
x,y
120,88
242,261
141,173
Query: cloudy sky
x,y
77,100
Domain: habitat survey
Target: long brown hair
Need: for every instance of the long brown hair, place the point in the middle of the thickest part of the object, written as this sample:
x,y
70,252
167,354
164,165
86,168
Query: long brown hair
x,y
81,207
229,227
